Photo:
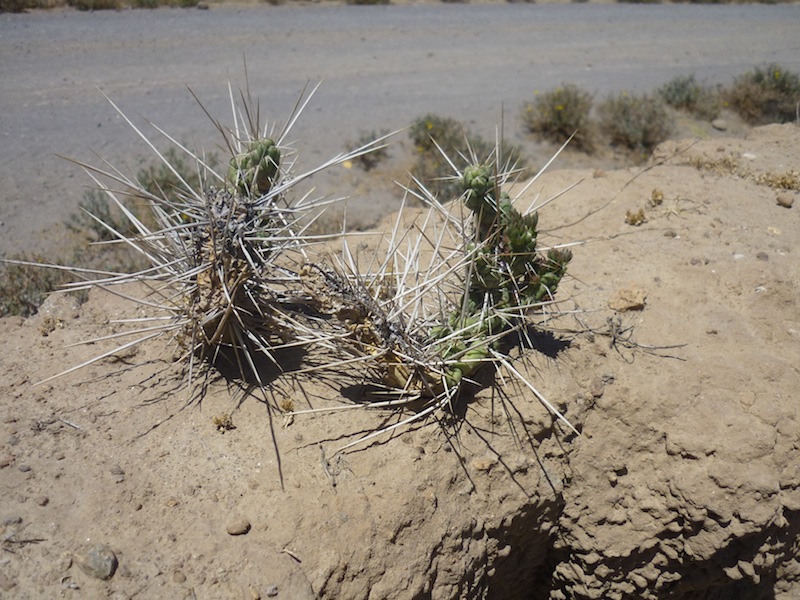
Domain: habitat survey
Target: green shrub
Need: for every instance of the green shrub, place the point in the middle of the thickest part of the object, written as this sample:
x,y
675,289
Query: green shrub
x,y
765,95
463,148
638,123
23,287
684,93
559,113
95,4
16,6
372,159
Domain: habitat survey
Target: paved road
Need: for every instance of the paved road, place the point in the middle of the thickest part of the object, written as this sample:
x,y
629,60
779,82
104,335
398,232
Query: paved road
x,y
382,67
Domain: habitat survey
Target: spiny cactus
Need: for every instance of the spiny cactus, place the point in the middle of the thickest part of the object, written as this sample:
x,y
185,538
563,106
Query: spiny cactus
x,y
440,297
223,256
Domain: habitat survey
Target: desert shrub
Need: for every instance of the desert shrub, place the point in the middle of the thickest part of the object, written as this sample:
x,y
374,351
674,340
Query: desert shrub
x,y
95,4
155,178
637,122
372,159
16,6
765,95
462,147
684,93
23,287
559,113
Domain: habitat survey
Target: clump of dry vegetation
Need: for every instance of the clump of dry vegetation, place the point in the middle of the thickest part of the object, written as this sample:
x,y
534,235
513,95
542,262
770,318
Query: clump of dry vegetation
x,y
561,114
685,93
633,121
765,95
442,146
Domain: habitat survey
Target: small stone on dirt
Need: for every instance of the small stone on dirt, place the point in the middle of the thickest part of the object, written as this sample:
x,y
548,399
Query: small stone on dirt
x,y
42,500
97,561
762,256
118,474
238,527
785,200
597,387
627,299
719,124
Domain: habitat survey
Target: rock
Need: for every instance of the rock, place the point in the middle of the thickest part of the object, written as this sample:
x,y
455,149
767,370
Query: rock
x,y
627,299
118,474
785,200
719,124
238,527
97,561
42,500
597,387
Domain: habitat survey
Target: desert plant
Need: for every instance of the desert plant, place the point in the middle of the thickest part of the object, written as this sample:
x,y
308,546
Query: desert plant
x,y
443,144
440,297
684,93
637,122
560,113
372,159
24,285
765,95
95,4
222,257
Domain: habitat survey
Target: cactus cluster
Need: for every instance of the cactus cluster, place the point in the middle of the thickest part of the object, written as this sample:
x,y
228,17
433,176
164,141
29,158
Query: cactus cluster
x,y
239,280
506,278
443,298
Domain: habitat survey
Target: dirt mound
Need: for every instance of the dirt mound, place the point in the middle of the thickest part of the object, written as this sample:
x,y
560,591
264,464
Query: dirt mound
x,y
680,368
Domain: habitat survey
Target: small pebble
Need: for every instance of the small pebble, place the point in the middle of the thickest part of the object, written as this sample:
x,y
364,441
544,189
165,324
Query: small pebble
x,y
597,387
98,561
238,527
272,591
64,562
719,124
762,256
24,468
13,440
785,200
178,577
118,474
42,500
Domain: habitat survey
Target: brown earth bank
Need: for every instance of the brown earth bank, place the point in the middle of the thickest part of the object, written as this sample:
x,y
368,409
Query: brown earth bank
x,y
675,355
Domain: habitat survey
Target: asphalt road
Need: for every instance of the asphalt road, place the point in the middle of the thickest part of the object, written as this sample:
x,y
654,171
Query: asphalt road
x,y
381,67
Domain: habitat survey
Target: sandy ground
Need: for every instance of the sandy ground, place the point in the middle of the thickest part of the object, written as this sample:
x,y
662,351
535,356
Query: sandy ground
x,y
684,482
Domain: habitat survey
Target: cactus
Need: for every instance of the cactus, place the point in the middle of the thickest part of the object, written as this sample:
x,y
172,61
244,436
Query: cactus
x,y
437,307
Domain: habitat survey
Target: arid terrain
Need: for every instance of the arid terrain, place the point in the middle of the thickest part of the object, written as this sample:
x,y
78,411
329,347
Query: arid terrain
x,y
676,356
